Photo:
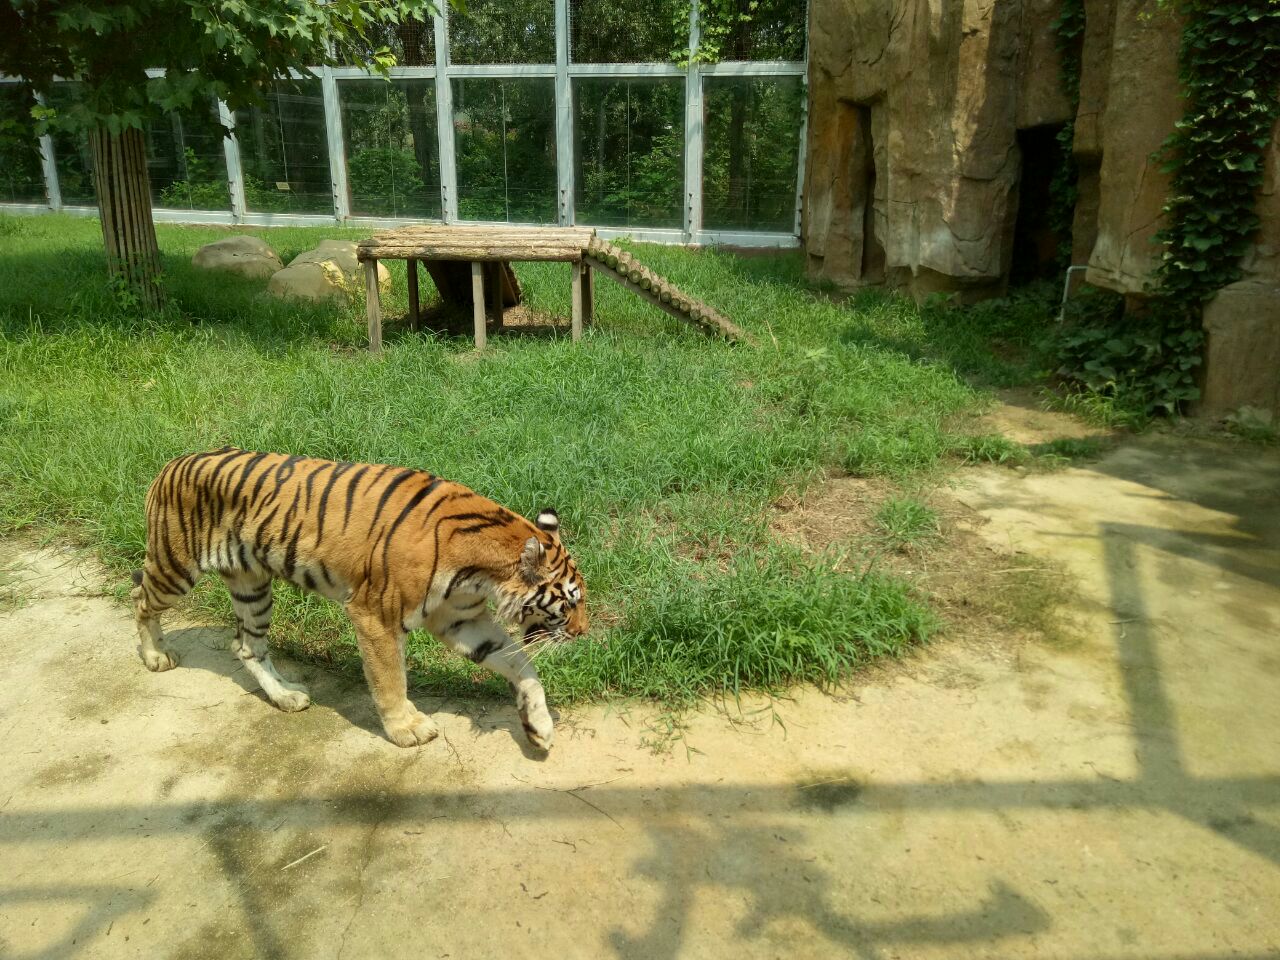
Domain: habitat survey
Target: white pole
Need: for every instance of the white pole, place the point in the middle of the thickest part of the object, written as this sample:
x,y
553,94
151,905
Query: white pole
x,y
337,145
693,135
444,121
51,187
564,119
235,172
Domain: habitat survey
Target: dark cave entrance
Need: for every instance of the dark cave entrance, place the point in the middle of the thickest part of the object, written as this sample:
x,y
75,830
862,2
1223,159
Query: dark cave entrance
x,y
1041,234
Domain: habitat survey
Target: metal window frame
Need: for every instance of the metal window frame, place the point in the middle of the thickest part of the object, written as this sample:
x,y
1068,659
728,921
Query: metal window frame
x,y
693,132
563,72
49,166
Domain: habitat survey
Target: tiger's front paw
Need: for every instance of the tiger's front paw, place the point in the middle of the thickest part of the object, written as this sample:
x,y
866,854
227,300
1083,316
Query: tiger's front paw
x,y
292,700
542,736
418,730
531,704
158,661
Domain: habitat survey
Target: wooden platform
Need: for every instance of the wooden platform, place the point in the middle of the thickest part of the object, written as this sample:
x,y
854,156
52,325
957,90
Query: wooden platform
x,y
471,267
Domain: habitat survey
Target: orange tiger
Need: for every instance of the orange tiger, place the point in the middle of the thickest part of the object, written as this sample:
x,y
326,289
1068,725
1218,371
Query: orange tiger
x,y
399,548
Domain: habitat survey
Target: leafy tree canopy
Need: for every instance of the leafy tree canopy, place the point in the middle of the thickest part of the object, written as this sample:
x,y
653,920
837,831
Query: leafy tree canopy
x,y
230,49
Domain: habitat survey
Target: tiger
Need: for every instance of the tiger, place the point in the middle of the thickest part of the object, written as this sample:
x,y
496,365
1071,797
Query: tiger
x,y
399,548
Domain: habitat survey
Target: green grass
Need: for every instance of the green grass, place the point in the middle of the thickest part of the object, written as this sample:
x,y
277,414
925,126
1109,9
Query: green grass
x,y
661,448
907,523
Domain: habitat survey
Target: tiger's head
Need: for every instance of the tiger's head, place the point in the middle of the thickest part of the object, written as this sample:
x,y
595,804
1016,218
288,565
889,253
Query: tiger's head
x,y
552,599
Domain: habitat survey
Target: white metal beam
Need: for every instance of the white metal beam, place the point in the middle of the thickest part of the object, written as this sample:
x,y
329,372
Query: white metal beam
x,y
444,123
693,132
231,152
49,166
565,200
337,145
625,71
497,70
754,68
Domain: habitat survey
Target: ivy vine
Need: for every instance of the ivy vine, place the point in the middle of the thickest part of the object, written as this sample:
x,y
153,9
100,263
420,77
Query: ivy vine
x,y
741,29
1229,70
1229,66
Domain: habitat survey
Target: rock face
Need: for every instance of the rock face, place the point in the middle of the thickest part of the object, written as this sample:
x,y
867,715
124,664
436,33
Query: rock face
x,y
915,159
328,272
1143,102
245,255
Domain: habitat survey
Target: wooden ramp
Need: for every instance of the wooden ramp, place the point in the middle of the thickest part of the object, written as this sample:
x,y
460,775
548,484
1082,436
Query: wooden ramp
x,y
662,293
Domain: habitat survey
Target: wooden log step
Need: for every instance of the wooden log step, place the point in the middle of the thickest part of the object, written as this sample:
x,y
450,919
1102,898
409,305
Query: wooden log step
x,y
659,291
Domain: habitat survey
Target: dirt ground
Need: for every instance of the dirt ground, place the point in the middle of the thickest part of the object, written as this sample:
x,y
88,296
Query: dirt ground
x,y
1111,789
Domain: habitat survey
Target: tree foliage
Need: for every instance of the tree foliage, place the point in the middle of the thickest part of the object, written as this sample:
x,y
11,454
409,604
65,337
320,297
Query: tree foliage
x,y
230,49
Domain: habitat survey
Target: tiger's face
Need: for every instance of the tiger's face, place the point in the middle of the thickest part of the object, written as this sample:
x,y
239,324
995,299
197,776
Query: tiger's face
x,y
555,606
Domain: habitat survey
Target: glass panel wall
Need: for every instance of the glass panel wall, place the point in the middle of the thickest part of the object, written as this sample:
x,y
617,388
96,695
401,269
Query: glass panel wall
x,y
21,173
503,31
505,143
622,138
751,153
285,153
393,166
629,152
71,154
186,160
628,31
756,29
411,42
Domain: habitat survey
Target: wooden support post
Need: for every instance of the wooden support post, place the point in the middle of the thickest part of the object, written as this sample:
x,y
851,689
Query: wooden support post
x,y
477,302
415,315
373,305
577,285
588,295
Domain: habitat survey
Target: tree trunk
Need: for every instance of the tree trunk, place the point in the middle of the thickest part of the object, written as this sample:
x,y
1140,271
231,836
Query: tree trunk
x,y
124,206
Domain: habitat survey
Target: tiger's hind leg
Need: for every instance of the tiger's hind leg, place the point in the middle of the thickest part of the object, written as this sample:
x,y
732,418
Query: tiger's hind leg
x,y
251,599
154,592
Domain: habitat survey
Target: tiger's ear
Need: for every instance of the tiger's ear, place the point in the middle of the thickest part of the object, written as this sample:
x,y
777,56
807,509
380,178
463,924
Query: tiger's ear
x,y
531,561
549,521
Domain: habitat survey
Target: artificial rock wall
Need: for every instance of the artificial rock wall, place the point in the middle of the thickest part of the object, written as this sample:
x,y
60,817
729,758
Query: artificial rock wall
x,y
914,164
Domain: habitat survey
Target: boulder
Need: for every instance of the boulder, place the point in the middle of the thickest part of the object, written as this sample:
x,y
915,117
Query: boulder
x,y
242,254
1242,322
330,271
1242,353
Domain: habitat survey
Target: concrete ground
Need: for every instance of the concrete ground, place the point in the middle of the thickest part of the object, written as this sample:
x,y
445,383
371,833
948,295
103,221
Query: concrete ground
x,y
1112,793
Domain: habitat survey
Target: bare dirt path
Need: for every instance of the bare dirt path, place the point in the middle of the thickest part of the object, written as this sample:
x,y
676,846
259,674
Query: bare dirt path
x,y
1112,793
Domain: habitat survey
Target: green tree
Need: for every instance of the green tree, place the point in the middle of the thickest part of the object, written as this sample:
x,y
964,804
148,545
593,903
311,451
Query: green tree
x,y
229,49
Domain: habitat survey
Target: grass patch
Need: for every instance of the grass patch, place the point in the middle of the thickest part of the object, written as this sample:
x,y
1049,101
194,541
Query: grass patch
x,y
905,522
1064,450
989,448
661,448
